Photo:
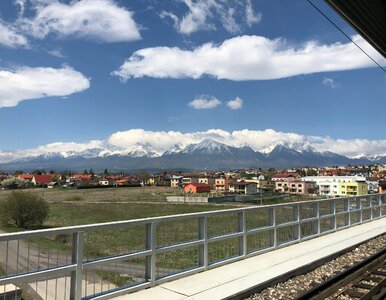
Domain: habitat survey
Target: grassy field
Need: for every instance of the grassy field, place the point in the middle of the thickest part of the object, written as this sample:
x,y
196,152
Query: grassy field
x,y
141,194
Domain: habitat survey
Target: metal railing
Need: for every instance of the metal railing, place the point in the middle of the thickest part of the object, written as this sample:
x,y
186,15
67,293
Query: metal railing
x,y
104,260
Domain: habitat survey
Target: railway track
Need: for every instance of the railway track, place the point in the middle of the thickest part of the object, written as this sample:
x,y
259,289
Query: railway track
x,y
364,280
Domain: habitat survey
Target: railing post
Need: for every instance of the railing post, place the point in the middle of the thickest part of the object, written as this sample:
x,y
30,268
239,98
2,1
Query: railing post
x,y
77,258
347,210
296,217
203,235
272,222
151,259
242,227
371,207
316,214
359,208
333,207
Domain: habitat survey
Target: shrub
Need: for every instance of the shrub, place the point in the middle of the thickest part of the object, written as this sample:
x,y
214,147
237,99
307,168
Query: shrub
x,y
23,209
14,183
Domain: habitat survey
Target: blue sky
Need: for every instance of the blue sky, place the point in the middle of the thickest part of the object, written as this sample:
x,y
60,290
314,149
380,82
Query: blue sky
x,y
75,74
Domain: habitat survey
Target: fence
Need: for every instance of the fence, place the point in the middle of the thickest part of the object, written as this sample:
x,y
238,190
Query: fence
x,y
104,260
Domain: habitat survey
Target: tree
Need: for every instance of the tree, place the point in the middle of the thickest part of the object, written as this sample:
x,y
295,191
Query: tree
x,y
18,172
144,177
24,209
37,172
85,172
105,172
14,183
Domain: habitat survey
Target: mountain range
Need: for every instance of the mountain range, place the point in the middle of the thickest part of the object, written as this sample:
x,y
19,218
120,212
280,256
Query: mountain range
x,y
208,154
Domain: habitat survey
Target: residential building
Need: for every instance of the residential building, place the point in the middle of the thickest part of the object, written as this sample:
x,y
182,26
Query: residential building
x,y
196,187
329,185
246,188
207,180
27,177
187,180
176,181
289,176
357,188
41,179
382,186
221,184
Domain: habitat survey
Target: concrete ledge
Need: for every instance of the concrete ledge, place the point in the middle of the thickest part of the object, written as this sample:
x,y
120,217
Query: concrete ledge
x,y
233,279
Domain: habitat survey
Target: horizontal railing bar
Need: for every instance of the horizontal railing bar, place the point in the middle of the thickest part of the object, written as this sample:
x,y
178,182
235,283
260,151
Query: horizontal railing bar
x,y
287,224
313,219
260,229
136,222
179,246
97,262
225,236
25,277
121,291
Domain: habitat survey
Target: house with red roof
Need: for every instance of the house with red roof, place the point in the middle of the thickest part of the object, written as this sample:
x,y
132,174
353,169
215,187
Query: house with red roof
x,y
289,176
28,177
196,187
41,179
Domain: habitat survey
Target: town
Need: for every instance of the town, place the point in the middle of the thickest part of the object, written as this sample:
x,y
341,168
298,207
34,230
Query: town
x,y
308,181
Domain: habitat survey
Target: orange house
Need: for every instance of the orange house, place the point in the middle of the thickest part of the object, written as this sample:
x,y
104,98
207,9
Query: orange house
x,y
196,187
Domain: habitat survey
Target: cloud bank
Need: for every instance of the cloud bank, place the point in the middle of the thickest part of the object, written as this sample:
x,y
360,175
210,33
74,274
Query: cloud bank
x,y
247,58
258,140
201,15
10,38
27,83
101,20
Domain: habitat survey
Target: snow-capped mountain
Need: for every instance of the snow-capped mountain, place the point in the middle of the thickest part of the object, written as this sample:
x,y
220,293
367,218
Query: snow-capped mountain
x,y
208,154
136,150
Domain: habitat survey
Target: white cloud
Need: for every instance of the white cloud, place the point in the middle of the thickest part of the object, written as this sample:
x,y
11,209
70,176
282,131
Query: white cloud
x,y
202,15
100,20
204,102
56,52
58,147
236,103
32,83
10,38
331,83
21,4
258,58
164,140
250,16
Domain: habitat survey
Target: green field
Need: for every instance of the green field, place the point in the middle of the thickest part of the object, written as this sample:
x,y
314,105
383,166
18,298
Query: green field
x,y
141,194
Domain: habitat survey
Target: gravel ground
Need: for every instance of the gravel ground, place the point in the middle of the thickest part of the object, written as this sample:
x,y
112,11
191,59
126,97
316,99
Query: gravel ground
x,y
294,287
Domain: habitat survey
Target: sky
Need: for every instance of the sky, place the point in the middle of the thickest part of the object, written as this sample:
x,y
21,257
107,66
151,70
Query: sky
x,y
81,74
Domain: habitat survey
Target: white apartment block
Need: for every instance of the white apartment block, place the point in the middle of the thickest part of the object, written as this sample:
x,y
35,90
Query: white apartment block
x,y
329,185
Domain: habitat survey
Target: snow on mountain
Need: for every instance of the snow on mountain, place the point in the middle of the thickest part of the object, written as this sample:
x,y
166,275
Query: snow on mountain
x,y
207,146
296,146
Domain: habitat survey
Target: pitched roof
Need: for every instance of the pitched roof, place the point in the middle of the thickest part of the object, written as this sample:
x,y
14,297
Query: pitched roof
x,y
198,184
25,176
42,178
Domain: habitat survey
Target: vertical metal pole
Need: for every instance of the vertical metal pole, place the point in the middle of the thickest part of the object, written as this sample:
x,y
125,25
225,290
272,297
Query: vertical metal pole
x,y
298,231
333,208
203,235
272,222
151,259
371,207
315,214
242,227
359,212
347,210
77,258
